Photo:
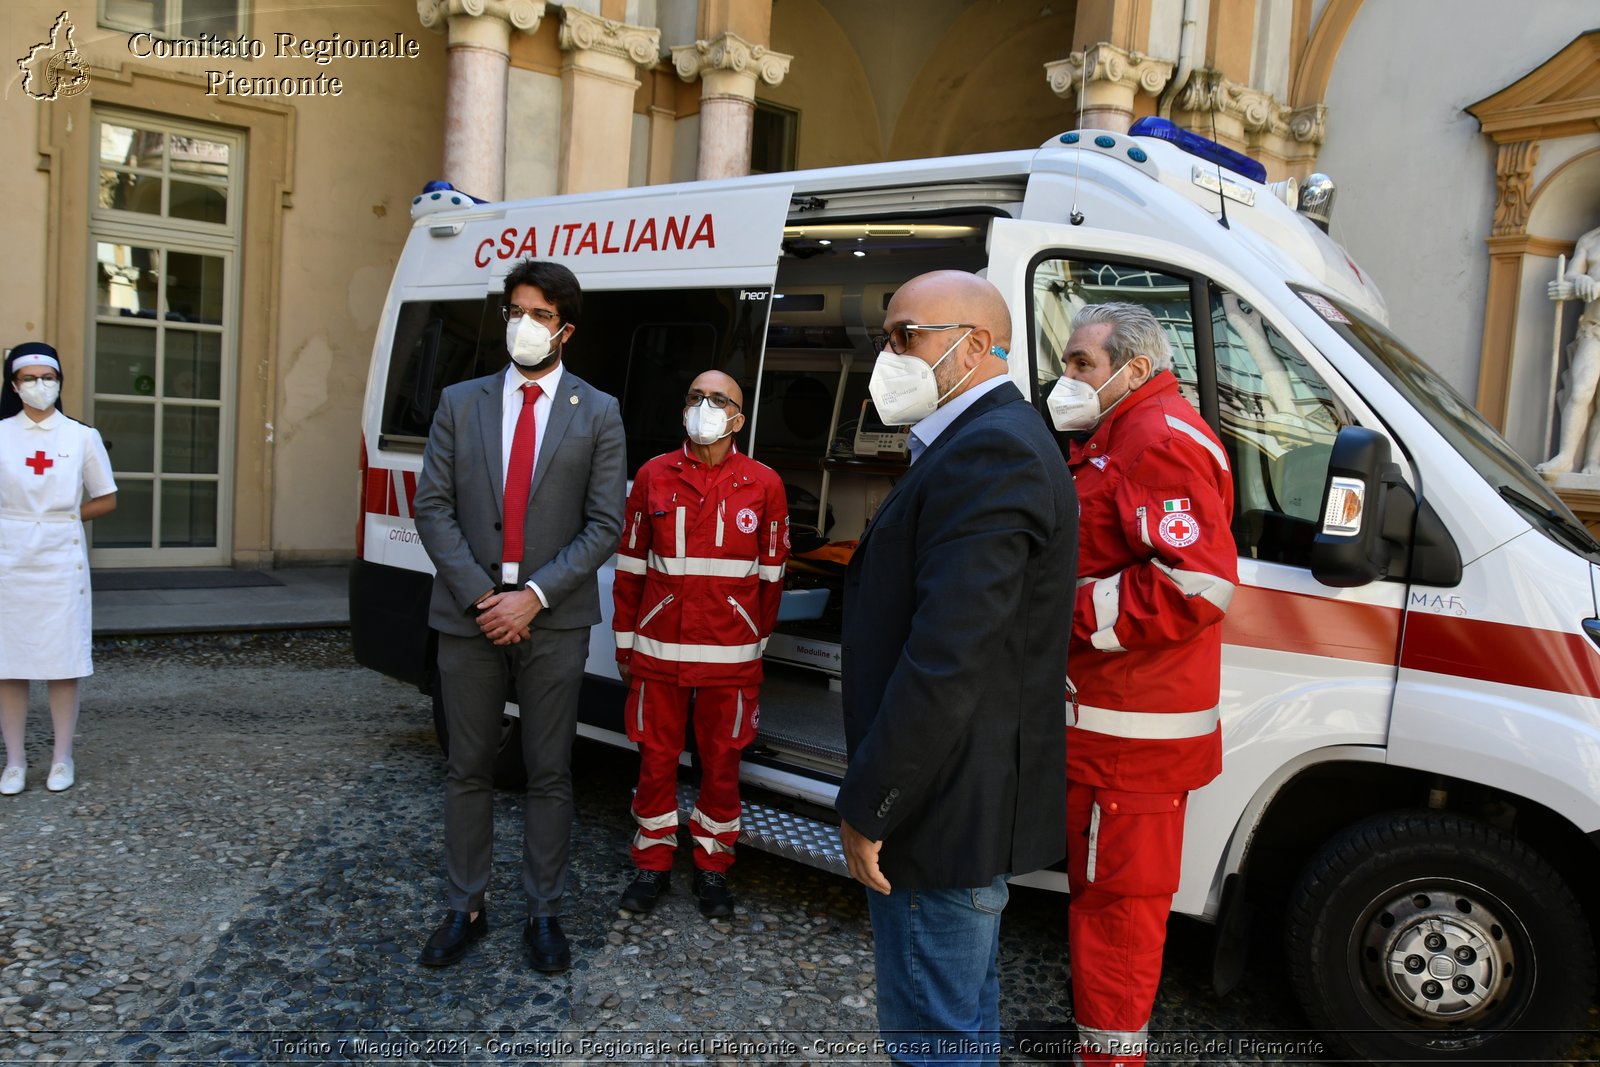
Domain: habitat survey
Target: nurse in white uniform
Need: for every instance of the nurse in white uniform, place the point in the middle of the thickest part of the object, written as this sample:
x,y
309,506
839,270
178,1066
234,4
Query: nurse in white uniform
x,y
54,477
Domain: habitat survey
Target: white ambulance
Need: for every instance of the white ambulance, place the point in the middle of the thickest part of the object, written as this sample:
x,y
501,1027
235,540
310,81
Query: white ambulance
x,y
1411,687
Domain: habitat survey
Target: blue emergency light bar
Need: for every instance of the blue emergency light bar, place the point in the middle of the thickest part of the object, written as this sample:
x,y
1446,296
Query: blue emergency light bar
x,y
1204,147
437,188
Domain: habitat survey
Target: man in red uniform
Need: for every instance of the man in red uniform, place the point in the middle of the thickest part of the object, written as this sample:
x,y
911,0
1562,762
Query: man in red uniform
x,y
699,578
1157,567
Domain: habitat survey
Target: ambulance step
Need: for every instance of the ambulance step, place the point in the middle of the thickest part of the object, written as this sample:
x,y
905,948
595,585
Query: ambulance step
x,y
782,833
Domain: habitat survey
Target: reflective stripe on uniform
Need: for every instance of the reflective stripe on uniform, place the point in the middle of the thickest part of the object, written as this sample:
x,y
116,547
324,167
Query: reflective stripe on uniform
x,y
1094,841
1115,1042
711,844
700,565
1107,606
640,841
1146,725
729,827
676,653
624,639
630,564
1218,591
772,574
657,822
1200,439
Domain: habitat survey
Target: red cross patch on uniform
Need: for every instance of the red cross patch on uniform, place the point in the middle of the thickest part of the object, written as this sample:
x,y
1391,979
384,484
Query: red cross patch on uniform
x,y
1179,529
746,520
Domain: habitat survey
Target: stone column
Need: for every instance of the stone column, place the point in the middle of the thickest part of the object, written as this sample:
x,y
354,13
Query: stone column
x,y
1109,78
597,90
663,125
727,67
1509,243
475,95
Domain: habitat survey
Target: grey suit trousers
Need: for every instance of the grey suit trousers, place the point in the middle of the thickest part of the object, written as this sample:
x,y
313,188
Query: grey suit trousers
x,y
547,670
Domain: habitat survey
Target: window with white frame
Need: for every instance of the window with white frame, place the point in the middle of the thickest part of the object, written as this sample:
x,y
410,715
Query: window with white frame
x,y
164,242
175,18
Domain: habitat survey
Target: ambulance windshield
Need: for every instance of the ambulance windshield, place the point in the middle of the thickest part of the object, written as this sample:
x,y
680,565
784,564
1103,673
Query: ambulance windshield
x,y
1466,430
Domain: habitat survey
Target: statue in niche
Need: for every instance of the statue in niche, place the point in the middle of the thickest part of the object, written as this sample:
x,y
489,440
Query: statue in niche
x,y
1579,427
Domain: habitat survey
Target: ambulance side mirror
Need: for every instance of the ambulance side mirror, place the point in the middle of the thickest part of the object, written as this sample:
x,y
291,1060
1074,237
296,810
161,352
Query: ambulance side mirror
x,y
1351,547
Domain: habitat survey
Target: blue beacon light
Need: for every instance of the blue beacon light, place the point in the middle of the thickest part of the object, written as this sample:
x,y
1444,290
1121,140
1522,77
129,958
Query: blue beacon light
x,y
1203,147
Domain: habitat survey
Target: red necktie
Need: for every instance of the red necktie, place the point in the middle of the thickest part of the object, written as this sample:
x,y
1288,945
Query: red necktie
x,y
519,477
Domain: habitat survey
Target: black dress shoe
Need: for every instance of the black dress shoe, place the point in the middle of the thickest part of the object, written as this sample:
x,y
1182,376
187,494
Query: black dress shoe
x,y
711,890
449,942
547,945
645,889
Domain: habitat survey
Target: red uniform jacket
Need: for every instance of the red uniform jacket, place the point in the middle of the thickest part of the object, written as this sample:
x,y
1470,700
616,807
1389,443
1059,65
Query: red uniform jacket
x,y
700,570
1156,570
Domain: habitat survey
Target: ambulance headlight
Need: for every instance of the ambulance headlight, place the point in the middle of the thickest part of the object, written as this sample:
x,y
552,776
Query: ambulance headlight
x,y
1347,499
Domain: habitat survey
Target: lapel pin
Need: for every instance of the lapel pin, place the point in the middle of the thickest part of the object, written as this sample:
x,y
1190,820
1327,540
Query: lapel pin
x,y
572,400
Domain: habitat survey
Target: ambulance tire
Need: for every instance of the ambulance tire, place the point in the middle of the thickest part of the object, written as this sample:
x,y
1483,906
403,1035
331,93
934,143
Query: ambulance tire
x,y
509,771
1363,935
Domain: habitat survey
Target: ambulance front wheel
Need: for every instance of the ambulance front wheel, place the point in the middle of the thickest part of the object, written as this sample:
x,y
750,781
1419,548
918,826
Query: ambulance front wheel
x,y
509,772
1423,937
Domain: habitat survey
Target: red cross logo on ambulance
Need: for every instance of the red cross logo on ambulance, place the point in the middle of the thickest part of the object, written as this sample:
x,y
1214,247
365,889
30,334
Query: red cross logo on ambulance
x,y
1179,529
746,520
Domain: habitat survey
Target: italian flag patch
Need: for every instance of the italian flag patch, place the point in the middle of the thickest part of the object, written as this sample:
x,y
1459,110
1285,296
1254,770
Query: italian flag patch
x,y
1178,504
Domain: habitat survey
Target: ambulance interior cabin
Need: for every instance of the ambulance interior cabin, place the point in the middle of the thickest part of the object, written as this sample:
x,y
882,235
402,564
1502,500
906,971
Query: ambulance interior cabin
x,y
804,368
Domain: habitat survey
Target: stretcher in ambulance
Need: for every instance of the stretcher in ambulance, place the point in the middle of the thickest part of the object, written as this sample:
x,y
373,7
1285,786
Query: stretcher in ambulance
x,y
1411,689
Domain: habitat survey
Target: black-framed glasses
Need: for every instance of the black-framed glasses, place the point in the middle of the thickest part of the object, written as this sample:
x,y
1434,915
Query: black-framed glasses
x,y
515,313
24,379
898,339
717,400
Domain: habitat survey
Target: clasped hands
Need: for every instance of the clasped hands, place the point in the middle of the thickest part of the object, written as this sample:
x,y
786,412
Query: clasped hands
x,y
505,618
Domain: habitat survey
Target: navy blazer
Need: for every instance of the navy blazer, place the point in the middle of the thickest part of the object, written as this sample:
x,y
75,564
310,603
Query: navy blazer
x,y
957,613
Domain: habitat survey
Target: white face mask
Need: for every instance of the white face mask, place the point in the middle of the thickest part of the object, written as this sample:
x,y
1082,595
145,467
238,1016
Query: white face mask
x,y
530,344
705,424
1075,405
39,394
904,388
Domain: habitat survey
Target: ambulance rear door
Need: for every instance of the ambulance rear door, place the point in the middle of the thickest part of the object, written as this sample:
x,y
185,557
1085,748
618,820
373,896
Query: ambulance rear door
x,y
673,284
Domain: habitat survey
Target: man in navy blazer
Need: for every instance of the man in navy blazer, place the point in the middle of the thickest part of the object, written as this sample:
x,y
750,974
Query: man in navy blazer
x,y
523,620
956,606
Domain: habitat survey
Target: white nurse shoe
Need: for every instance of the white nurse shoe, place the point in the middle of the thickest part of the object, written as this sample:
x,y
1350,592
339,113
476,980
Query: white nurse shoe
x,y
61,777
12,781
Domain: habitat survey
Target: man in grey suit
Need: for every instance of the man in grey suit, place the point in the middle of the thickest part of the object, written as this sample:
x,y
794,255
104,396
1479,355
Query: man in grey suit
x,y
514,606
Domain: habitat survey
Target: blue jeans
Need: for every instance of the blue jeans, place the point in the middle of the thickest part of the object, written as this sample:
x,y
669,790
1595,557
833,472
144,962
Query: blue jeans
x,y
938,986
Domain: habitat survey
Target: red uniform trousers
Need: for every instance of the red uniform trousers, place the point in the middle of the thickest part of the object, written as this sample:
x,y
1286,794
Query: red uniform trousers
x,y
1124,853
725,720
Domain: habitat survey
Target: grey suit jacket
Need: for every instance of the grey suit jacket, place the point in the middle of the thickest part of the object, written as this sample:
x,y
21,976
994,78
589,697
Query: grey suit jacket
x,y
574,516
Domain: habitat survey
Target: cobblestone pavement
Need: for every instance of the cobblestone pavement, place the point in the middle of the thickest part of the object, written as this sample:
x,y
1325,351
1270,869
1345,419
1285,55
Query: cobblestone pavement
x,y
250,860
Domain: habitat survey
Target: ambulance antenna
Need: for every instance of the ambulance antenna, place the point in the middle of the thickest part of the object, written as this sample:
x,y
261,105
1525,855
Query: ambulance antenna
x,y
1222,198
1083,77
